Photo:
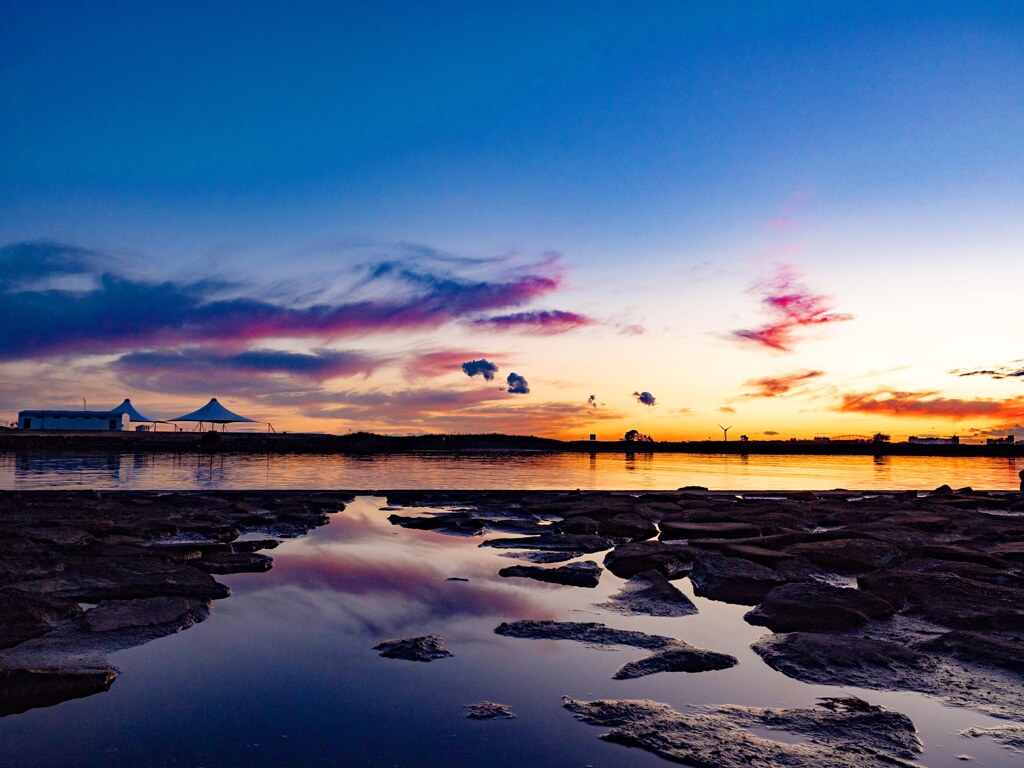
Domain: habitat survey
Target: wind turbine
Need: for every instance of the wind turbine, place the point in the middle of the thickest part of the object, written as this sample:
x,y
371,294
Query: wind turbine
x,y
725,432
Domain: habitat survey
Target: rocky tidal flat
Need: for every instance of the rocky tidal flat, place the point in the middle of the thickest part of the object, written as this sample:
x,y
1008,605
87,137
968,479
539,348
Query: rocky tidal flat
x,y
903,591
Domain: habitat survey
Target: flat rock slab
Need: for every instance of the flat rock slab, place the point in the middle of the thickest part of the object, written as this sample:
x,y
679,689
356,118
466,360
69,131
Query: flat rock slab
x,y
1006,652
813,606
424,648
850,556
489,710
585,574
177,613
650,594
733,580
672,560
590,633
724,530
890,666
24,616
844,735
682,657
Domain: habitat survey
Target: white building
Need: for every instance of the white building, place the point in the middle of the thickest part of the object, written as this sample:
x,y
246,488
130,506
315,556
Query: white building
x,y
77,421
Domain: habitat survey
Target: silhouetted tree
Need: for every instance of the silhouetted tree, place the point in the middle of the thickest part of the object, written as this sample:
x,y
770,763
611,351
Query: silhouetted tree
x,y
634,436
881,437
744,438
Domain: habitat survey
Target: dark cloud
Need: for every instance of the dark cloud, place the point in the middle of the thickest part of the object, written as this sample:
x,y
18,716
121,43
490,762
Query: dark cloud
x,y
541,321
771,432
919,404
484,368
592,401
775,386
122,314
517,384
254,372
28,262
1010,371
441,362
790,306
644,398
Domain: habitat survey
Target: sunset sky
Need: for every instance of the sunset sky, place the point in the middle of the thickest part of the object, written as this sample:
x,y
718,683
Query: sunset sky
x,y
794,218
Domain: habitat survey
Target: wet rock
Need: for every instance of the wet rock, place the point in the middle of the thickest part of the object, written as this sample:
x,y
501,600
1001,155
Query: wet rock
x,y
848,555
23,616
175,613
581,525
628,526
682,657
817,607
234,562
555,542
1009,736
590,633
846,735
425,648
696,530
446,522
672,561
584,574
884,665
949,600
489,710
125,579
650,594
25,689
732,580
978,647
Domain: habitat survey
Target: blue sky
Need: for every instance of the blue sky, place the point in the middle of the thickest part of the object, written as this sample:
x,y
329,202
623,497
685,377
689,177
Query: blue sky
x,y
663,149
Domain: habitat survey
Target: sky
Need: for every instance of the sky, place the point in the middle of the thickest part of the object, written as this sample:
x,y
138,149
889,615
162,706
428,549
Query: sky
x,y
792,218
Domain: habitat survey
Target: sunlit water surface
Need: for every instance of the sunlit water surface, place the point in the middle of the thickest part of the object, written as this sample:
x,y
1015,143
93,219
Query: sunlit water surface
x,y
512,471
283,673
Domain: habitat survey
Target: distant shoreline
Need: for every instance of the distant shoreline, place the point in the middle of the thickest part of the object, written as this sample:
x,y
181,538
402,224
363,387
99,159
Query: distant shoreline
x,y
363,443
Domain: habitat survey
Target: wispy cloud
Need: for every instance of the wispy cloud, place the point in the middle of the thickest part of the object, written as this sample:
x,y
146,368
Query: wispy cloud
x,y
790,306
539,321
931,404
122,314
1013,370
776,386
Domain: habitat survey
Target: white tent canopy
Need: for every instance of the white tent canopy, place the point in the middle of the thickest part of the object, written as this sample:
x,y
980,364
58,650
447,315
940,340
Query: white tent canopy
x,y
214,413
133,415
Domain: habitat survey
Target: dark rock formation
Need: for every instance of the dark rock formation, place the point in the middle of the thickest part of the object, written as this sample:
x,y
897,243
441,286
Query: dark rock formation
x,y
425,648
650,594
813,606
590,633
732,580
681,657
843,733
489,710
672,561
584,574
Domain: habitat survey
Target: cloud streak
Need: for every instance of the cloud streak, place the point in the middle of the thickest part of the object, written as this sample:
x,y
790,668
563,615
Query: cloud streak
x,y
790,307
538,322
931,404
121,314
776,386
1010,371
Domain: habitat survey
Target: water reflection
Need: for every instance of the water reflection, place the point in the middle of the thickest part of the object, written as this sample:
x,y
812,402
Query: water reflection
x,y
636,470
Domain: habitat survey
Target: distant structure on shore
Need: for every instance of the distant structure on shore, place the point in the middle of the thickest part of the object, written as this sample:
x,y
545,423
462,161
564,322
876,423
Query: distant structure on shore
x,y
74,421
954,440
120,418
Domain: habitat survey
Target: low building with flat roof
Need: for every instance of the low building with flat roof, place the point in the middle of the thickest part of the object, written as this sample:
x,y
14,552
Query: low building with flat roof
x,y
73,421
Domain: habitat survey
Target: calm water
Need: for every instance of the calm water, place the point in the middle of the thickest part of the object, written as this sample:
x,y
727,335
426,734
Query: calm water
x,y
283,673
520,471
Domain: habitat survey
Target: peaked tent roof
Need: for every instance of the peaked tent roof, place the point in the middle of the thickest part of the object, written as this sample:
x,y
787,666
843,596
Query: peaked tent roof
x,y
213,412
134,415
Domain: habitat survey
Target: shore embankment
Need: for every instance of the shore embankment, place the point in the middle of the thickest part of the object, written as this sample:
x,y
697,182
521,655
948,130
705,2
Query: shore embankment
x,y
364,443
